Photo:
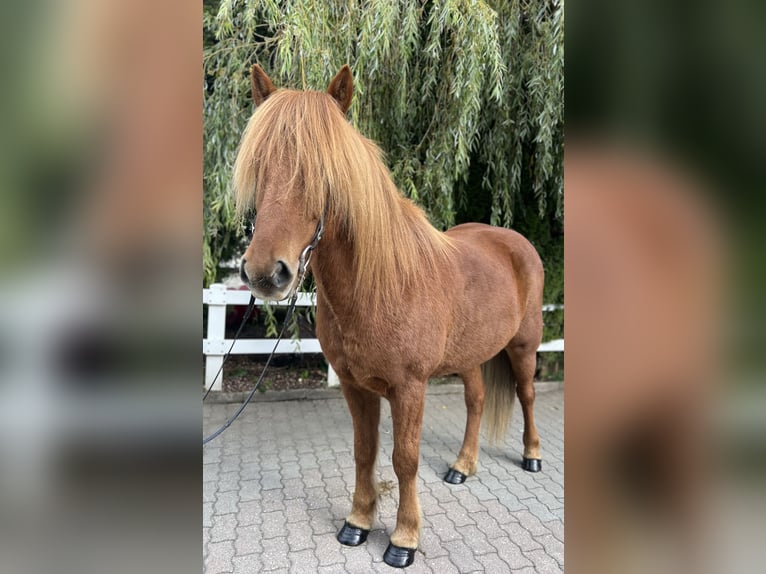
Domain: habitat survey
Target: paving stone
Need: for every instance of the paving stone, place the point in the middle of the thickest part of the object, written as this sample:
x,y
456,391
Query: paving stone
x,y
229,462
431,545
299,536
443,565
223,527
553,547
322,521
228,481
540,510
492,563
290,470
544,564
226,503
487,524
531,523
271,479
209,490
497,510
429,505
293,488
249,564
250,490
444,528
248,539
468,501
205,540
441,492
269,461
457,514
219,557
295,510
302,561
482,493
511,554
248,456
509,501
274,524
250,513
476,540
273,500
307,461
329,468
312,477
335,486
358,560
316,497
275,554
287,454
207,514
557,528
328,550
520,536
462,556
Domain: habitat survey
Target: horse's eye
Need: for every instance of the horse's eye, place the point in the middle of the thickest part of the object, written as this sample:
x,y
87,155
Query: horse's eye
x,y
247,228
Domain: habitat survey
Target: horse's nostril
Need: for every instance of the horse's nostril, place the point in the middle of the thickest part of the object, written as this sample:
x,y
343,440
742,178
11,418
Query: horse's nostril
x,y
242,272
282,275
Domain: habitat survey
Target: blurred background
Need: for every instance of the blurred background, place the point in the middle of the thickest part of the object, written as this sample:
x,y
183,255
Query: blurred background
x,y
100,243
101,234
664,182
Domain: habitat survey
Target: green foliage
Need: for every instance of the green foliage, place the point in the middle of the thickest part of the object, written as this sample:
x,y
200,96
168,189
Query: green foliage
x,y
449,88
464,96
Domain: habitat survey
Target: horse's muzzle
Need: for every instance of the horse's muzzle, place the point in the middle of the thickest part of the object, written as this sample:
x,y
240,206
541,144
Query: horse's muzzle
x,y
267,284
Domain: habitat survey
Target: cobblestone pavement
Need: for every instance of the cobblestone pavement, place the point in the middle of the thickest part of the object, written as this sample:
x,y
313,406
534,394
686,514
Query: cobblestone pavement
x,y
278,484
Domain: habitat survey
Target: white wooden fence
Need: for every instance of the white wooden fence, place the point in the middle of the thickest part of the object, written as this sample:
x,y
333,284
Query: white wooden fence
x,y
215,345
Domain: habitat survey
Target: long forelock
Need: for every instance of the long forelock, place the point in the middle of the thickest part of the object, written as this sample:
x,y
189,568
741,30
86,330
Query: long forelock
x,y
306,134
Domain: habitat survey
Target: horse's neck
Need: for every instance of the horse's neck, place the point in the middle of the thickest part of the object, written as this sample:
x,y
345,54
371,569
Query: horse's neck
x,y
334,270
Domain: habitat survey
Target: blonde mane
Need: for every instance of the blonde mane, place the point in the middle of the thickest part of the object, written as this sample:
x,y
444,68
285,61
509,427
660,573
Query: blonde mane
x,y
394,244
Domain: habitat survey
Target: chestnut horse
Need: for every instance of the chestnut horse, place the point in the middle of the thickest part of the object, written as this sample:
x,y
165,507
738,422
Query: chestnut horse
x,y
397,300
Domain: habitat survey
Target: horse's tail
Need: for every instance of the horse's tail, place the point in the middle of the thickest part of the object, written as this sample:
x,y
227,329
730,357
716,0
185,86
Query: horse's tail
x,y
500,391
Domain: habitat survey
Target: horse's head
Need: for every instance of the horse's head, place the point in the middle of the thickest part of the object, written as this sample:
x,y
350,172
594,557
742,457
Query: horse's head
x,y
271,174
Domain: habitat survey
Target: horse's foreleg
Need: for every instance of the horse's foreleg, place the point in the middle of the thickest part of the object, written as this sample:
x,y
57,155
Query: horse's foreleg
x,y
523,362
467,459
365,413
407,413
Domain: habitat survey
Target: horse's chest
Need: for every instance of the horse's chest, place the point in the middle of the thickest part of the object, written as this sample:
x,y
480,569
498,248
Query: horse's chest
x,y
362,352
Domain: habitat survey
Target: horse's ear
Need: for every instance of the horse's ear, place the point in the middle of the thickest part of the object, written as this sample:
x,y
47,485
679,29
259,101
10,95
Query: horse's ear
x,y
342,88
261,84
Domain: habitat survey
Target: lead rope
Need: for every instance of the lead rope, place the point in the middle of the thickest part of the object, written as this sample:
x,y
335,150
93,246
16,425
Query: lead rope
x,y
227,424
248,312
302,268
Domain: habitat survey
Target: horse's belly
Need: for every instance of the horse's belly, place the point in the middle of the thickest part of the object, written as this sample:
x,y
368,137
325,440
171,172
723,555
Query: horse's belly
x,y
477,342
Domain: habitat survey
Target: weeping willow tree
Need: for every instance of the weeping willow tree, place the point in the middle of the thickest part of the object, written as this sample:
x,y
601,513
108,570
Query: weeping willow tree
x,y
464,96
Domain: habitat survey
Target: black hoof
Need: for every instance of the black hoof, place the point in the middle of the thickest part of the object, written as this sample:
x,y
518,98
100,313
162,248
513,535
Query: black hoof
x,y
454,477
532,464
350,535
399,557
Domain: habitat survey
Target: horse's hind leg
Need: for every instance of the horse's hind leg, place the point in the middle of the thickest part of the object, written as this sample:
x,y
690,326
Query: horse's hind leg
x,y
523,362
365,413
467,459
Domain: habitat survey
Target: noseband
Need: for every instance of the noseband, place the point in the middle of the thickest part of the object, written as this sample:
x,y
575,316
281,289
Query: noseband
x,y
305,258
